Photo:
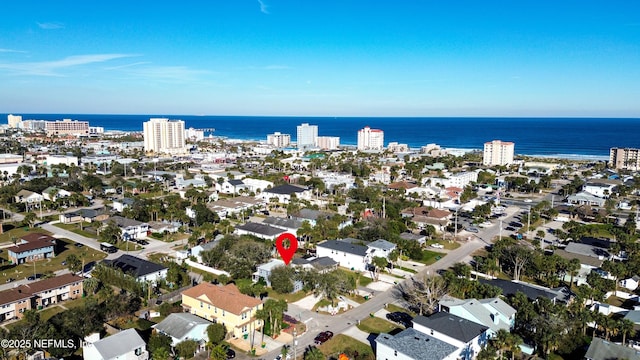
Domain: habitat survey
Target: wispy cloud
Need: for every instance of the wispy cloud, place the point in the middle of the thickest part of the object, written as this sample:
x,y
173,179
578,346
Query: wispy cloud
x,y
11,51
128,65
166,73
51,25
264,8
52,68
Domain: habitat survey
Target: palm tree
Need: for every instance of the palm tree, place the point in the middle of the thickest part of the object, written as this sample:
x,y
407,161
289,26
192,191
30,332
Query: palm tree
x,y
626,327
500,341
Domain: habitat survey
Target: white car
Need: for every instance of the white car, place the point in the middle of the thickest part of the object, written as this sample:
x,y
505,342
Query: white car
x,y
437,246
527,200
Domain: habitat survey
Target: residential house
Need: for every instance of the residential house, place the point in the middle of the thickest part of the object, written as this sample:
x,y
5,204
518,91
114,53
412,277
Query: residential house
x,y
467,336
630,283
53,193
420,239
284,193
28,197
84,215
411,344
198,249
587,264
263,271
126,344
70,218
131,229
320,264
262,231
140,269
509,288
423,216
288,225
353,256
256,185
120,204
232,186
312,217
32,247
184,326
381,248
600,349
585,198
493,313
224,305
162,227
198,181
15,301
602,188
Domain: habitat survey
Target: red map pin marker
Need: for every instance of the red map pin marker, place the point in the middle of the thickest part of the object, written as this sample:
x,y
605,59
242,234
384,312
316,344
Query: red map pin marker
x,y
286,253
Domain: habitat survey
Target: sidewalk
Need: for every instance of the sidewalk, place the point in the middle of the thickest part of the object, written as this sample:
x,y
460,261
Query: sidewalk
x,y
271,344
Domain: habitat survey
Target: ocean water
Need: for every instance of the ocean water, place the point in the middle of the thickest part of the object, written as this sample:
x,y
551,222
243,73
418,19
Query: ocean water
x,y
552,137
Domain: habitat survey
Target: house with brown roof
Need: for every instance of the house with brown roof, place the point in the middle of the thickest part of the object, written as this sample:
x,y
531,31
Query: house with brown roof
x,y
423,216
32,247
401,185
225,305
36,295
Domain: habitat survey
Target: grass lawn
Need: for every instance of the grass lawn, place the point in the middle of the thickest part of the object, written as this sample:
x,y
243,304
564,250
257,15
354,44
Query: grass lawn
x,y
341,343
321,303
357,298
375,325
288,297
128,246
429,257
64,248
75,228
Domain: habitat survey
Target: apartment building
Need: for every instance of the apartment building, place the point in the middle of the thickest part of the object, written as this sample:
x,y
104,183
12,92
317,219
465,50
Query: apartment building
x,y
328,142
498,152
624,158
307,135
279,140
164,136
370,139
67,127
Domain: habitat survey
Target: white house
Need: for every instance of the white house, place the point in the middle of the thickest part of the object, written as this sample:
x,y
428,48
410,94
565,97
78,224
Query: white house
x,y
467,336
121,204
346,254
184,326
264,270
126,344
493,313
631,283
53,193
599,188
256,185
263,231
131,229
231,186
380,248
411,344
284,193
28,197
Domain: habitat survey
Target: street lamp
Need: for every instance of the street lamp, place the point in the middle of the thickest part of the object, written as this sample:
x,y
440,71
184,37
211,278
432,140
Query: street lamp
x,y
295,342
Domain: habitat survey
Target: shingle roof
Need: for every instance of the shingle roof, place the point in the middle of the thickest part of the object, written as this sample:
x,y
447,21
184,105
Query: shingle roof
x,y
134,265
119,344
482,310
382,244
51,283
258,228
37,237
285,189
452,326
282,222
605,350
532,291
31,245
344,246
227,297
587,250
180,324
417,345
123,222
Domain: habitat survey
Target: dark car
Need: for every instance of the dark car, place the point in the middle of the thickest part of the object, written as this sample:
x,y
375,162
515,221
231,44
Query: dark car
x,y
10,280
509,228
79,245
323,337
230,352
143,242
400,317
34,277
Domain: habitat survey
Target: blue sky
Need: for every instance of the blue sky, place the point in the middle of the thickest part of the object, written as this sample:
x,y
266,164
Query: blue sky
x,y
322,58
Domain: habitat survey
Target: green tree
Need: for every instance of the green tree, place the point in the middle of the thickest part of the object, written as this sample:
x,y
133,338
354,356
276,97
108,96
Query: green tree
x,y
281,279
313,353
187,348
74,263
218,352
161,354
216,333
111,233
30,219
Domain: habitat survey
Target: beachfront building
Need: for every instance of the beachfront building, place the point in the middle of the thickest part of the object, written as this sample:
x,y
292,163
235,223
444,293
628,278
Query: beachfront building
x,y
279,140
624,158
370,139
328,142
307,136
67,127
14,121
498,152
162,135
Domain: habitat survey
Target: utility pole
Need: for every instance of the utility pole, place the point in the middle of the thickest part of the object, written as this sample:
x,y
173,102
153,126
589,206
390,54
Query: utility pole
x,y
529,221
500,236
455,227
295,342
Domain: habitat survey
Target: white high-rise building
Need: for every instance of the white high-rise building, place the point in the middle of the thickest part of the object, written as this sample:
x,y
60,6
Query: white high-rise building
x,y
279,140
370,139
14,121
498,152
166,136
307,136
328,142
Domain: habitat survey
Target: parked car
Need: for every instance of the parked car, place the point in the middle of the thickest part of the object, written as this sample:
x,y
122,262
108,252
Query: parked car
x,y
472,229
323,337
230,352
401,318
143,242
34,277
10,280
437,246
78,245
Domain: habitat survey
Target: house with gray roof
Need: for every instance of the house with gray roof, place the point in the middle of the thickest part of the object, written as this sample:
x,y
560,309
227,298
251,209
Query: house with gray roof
x,y
140,269
585,198
493,313
587,264
131,229
588,250
600,349
420,239
126,344
283,193
511,287
467,336
288,225
346,254
263,231
411,344
184,326
320,264
381,248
